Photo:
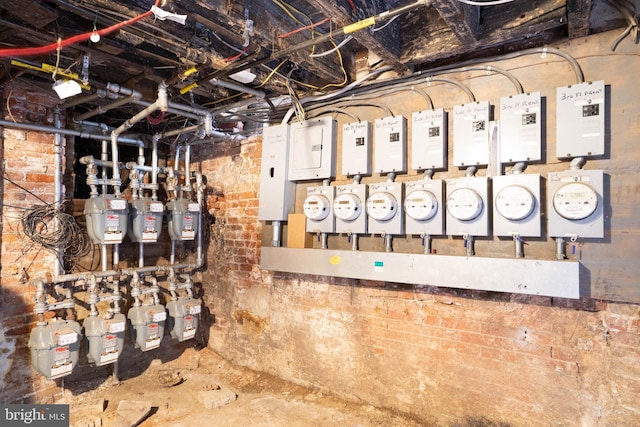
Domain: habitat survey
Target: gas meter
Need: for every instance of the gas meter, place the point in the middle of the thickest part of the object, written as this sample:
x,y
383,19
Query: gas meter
x,y
145,220
55,348
182,219
106,218
105,338
147,325
183,318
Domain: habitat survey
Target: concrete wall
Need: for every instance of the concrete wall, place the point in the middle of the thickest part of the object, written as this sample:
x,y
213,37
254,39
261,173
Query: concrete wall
x,y
447,356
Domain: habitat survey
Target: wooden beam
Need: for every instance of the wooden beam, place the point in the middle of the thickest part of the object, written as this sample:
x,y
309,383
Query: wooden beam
x,y
578,13
463,19
385,42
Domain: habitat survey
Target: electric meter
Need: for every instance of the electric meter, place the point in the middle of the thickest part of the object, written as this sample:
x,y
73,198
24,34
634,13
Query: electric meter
x,y
575,201
382,206
347,207
421,205
464,204
515,202
316,207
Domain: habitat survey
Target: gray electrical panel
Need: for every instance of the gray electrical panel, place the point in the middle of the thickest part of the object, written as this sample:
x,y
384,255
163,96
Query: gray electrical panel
x,y
429,139
317,207
312,149
105,338
516,205
471,133
277,193
576,204
468,206
580,120
384,208
356,149
349,208
55,347
390,144
423,207
521,128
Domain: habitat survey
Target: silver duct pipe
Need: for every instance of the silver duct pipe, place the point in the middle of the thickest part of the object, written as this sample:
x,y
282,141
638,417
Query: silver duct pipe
x,y
68,132
110,106
238,87
57,177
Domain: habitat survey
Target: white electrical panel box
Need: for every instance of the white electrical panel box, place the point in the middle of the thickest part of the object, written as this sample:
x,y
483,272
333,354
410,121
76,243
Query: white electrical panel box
x,y
349,208
312,149
471,133
390,144
516,205
317,207
576,204
521,128
356,149
277,193
423,207
580,120
429,139
384,208
468,206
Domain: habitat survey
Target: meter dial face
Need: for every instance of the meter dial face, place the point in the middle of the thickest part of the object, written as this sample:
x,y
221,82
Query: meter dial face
x,y
347,206
421,205
382,206
316,207
575,201
515,202
464,204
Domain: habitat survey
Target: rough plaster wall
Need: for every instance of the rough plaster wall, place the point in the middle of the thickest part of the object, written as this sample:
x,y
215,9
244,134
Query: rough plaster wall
x,y
449,357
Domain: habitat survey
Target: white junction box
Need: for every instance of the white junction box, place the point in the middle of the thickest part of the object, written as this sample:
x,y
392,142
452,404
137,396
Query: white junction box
x,y
468,206
576,204
580,120
390,144
384,208
521,128
423,207
349,208
356,149
317,207
429,139
312,149
277,193
516,205
471,133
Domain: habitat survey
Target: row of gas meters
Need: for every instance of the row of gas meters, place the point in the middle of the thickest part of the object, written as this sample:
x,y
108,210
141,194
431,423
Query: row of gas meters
x,y
55,346
110,218
464,206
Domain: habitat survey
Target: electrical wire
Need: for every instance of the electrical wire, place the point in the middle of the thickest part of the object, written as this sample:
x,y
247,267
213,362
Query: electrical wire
x,y
56,231
307,27
328,52
31,51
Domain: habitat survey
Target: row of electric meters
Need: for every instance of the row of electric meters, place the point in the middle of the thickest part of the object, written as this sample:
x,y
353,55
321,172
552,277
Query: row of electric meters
x,y
110,218
468,205
55,346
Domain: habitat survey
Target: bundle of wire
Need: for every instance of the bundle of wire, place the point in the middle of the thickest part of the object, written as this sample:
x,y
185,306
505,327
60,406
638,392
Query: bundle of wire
x,y
56,231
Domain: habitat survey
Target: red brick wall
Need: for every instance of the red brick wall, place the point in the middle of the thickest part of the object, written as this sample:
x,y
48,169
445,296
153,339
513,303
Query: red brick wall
x,y
27,160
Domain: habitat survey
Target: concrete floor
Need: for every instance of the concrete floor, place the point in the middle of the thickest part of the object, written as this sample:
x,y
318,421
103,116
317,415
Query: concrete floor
x,y
179,392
